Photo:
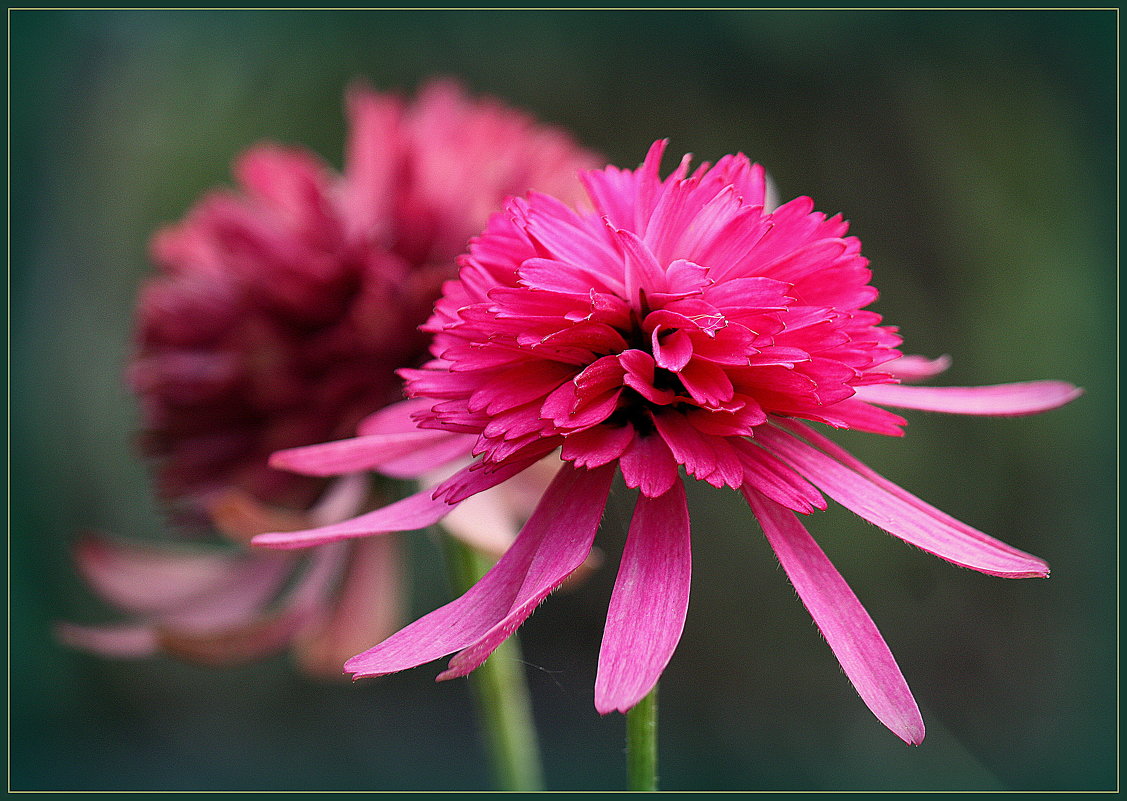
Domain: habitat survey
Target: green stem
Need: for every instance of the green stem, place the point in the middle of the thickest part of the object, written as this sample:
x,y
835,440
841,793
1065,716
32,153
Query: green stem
x,y
641,743
500,689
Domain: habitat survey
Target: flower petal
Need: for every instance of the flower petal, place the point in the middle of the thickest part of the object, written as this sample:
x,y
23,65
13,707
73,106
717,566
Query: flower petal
x,y
914,368
416,511
356,454
1001,400
847,627
555,541
649,465
153,580
901,513
649,603
367,608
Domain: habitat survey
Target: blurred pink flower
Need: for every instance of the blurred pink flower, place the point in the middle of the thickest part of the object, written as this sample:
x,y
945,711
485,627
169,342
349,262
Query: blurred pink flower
x,y
685,324
280,314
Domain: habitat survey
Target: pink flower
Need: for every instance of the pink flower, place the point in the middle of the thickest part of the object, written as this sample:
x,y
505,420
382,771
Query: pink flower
x,y
685,324
280,314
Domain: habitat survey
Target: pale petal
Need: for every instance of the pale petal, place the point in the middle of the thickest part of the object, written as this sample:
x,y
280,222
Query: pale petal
x,y
254,639
556,540
1002,400
342,499
149,579
649,603
484,522
367,608
416,511
914,368
847,627
902,514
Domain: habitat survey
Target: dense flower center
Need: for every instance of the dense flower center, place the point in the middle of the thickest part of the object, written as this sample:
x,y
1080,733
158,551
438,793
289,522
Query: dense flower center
x,y
695,316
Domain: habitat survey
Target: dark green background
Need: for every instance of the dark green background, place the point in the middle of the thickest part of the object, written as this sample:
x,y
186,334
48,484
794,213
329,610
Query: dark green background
x,y
975,154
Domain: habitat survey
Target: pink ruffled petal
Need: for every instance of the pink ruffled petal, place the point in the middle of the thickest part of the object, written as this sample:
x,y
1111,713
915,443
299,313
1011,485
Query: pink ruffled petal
x,y
649,603
902,514
554,542
1000,400
649,465
847,627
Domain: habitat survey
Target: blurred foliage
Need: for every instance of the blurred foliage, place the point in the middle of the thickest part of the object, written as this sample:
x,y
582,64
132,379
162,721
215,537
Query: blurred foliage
x,y
974,151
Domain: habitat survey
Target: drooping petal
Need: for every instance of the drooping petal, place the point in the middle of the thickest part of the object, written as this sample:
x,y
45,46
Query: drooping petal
x,y
847,627
555,541
1000,400
649,603
901,513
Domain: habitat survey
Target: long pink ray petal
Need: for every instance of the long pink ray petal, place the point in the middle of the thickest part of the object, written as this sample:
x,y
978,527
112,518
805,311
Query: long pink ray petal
x,y
1001,400
436,453
395,418
847,627
849,460
413,512
902,514
357,454
649,603
554,538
